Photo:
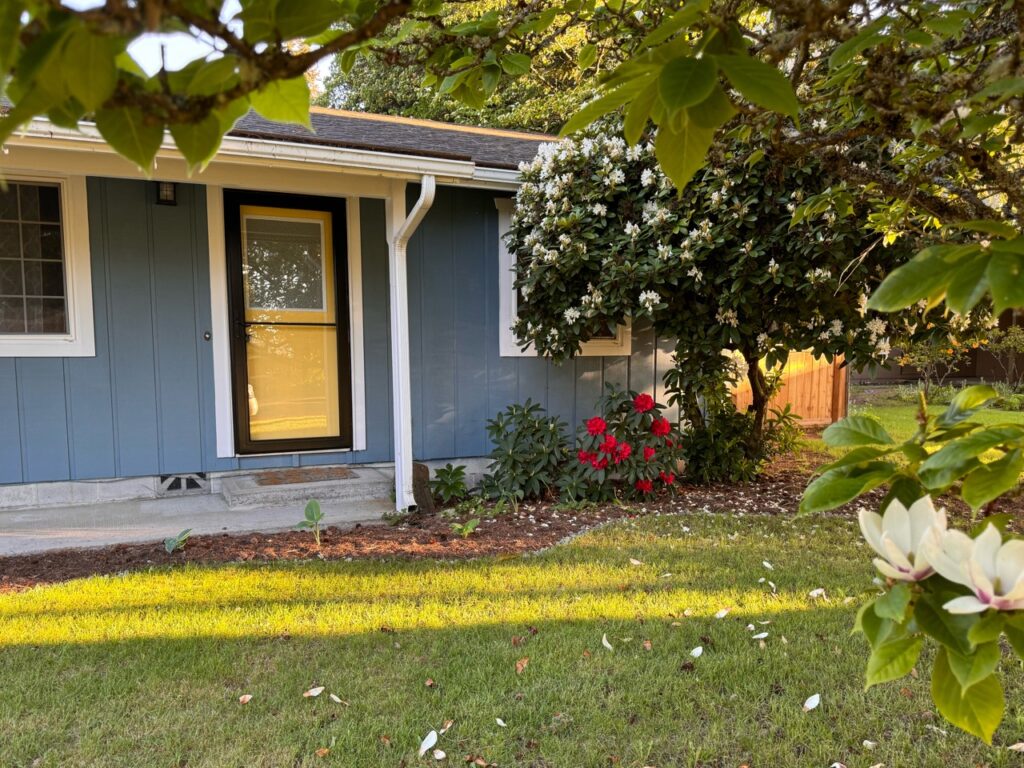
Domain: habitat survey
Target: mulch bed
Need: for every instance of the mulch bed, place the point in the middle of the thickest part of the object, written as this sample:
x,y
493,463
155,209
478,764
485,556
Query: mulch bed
x,y
532,527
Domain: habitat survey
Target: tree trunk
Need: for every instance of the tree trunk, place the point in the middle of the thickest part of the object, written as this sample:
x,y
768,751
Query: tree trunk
x,y
759,397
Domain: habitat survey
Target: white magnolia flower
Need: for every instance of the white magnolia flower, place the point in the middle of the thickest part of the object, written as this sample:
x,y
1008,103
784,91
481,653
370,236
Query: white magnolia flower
x,y
898,534
988,566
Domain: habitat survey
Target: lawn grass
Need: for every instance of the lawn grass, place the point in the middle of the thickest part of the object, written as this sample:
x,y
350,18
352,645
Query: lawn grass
x,y
146,669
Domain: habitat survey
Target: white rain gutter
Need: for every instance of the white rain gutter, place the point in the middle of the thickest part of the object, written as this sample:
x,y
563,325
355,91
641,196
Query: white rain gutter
x,y
401,228
248,151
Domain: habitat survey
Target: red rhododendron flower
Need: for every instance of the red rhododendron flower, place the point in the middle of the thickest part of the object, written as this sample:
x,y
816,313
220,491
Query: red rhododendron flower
x,y
597,463
608,446
661,427
596,425
643,402
644,486
648,453
584,457
667,478
623,453
668,443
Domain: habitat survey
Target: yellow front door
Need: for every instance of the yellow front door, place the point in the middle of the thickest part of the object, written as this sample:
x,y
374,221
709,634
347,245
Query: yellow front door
x,y
290,324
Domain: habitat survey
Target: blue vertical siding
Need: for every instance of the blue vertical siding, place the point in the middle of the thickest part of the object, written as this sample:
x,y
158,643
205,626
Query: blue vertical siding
x,y
144,405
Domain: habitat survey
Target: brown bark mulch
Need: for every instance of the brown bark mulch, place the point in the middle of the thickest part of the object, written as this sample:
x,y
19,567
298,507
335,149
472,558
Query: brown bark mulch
x,y
532,527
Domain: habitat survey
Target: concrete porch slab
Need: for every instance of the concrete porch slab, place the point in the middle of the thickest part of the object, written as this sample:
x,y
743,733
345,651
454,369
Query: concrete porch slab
x,y
93,525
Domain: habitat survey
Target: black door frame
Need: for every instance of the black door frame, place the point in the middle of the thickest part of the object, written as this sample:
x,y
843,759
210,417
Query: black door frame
x,y
234,199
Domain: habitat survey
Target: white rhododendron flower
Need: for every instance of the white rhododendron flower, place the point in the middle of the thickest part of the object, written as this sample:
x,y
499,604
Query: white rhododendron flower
x,y
898,534
989,567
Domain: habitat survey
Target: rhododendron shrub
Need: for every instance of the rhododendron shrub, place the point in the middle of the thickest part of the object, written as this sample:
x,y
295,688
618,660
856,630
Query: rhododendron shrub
x,y
601,236
627,447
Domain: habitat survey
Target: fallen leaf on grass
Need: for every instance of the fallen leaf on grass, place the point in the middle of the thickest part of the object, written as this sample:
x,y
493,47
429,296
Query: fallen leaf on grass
x,y
245,698
385,740
322,752
605,643
697,652
521,664
428,741
517,640
447,724
647,645
312,693
812,702
429,682
586,654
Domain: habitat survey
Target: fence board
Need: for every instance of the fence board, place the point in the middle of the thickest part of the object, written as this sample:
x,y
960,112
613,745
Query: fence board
x,y
815,389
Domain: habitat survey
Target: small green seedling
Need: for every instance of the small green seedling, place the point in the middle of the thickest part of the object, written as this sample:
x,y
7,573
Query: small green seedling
x,y
449,483
466,528
173,543
312,521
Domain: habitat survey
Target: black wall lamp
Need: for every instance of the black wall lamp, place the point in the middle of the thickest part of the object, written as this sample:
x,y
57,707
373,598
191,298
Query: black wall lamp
x,y
166,193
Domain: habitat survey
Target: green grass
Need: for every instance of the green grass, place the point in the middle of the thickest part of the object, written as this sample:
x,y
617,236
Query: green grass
x,y
146,669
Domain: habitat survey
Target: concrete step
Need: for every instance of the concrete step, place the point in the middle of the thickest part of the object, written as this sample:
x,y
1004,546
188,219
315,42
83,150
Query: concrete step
x,y
364,484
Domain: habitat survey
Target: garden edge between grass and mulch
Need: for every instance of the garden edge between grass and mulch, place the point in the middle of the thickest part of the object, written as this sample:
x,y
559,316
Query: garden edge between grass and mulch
x,y
531,528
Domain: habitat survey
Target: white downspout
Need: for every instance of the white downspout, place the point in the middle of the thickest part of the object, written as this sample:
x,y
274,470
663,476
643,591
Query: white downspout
x,y
400,229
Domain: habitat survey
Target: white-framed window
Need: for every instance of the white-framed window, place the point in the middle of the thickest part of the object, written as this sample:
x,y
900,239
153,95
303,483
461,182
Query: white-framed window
x,y
45,272
618,342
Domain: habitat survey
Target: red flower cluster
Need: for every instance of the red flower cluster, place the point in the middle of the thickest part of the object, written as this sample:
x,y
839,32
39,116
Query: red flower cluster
x,y
667,477
661,427
649,453
644,486
596,425
643,403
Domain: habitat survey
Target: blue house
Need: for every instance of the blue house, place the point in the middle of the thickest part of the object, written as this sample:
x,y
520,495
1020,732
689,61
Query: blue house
x,y
325,298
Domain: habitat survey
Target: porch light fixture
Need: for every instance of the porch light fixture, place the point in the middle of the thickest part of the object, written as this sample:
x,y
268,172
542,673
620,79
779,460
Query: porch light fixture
x,y
166,193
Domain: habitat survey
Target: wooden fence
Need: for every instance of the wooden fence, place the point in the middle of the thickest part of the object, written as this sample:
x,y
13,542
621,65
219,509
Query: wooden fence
x,y
815,389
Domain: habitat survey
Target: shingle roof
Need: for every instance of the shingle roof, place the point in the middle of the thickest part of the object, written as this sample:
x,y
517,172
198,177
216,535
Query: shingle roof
x,y
487,147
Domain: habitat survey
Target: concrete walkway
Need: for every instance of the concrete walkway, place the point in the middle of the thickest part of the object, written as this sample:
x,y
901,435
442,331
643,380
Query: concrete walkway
x,y
93,525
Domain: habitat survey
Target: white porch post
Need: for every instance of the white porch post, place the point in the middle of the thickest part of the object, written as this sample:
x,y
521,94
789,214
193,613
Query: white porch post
x,y
400,229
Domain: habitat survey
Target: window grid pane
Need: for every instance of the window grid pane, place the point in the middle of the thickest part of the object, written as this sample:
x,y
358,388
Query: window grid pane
x,y
32,280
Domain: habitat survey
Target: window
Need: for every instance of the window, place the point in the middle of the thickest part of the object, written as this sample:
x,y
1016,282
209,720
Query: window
x,y
45,283
617,341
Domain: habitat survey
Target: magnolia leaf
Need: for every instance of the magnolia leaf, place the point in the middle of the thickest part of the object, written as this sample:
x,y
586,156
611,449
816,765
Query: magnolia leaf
x,y
893,660
992,480
213,76
198,142
856,430
761,83
126,130
682,152
686,81
675,23
639,112
607,103
987,630
947,628
838,486
586,56
285,101
866,38
893,604
89,68
714,111
1004,274
515,63
972,668
305,18
977,709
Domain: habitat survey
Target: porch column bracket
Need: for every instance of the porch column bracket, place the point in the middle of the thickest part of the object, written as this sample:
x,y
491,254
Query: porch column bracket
x,y
400,228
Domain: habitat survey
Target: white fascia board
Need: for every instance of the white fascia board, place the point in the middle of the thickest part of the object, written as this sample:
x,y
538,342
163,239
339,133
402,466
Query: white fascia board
x,y
236,150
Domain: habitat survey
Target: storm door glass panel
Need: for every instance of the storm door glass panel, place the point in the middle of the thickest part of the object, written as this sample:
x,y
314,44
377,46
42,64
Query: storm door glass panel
x,y
290,321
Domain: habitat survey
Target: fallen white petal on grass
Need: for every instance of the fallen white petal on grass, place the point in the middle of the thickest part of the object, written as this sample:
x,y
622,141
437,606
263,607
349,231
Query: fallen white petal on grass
x,y
605,643
500,722
312,693
768,565
838,765
765,623
439,754
762,580
335,698
759,636
447,724
634,561
245,698
869,744
722,613
936,729
1018,747
812,702
750,627
696,652
877,765
428,741
772,585
816,593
